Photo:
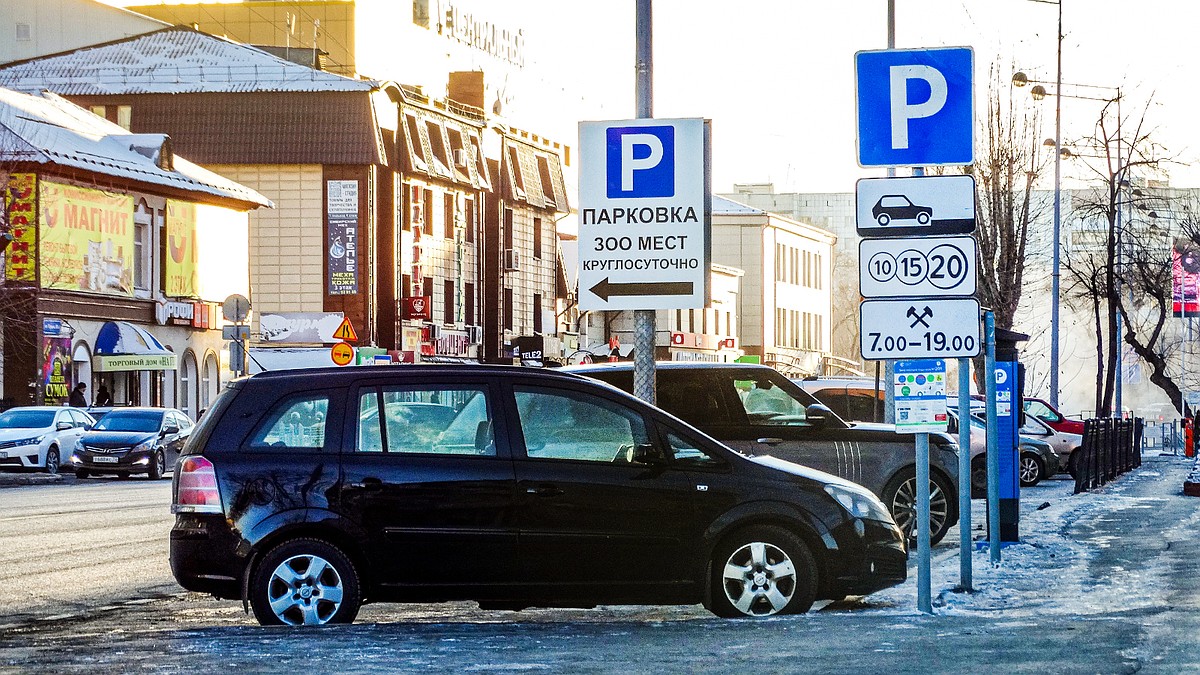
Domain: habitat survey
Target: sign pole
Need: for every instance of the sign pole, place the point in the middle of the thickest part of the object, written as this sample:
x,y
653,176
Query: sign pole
x,y
993,440
924,601
964,474
644,320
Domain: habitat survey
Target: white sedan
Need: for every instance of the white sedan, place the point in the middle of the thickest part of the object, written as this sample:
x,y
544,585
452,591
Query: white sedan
x,y
38,437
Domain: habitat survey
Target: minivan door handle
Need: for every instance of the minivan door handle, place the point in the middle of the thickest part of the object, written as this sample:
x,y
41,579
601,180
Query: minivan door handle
x,y
769,441
544,491
369,483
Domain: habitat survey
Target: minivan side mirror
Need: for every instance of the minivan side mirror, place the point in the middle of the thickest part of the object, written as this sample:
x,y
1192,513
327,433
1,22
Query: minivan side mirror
x,y
817,415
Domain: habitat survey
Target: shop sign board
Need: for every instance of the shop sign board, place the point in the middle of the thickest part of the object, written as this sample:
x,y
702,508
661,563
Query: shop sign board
x,y
127,362
86,239
299,327
20,203
342,247
182,277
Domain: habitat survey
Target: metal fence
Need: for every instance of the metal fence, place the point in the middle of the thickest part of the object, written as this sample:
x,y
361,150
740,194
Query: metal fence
x,y
1110,448
1163,436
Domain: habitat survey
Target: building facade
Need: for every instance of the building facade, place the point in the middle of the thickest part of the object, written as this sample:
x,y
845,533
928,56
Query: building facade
x,y
118,250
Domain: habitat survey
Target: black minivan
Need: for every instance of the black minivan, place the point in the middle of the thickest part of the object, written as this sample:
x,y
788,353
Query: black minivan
x,y
307,493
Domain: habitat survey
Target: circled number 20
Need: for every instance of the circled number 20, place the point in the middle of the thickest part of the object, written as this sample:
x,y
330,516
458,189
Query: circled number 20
x,y
945,266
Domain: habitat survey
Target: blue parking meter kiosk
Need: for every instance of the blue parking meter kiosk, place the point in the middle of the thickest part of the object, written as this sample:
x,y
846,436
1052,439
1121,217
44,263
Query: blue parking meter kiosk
x,y
1010,417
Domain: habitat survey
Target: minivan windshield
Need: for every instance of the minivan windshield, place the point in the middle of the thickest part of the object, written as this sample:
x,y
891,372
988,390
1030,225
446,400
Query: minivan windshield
x,y
26,419
130,421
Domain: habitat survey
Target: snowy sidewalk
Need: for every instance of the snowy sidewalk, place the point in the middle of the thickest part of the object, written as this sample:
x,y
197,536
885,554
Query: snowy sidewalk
x,y
1115,548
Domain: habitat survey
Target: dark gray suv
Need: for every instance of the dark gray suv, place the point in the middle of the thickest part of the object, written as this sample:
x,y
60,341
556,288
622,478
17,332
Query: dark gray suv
x,y
755,409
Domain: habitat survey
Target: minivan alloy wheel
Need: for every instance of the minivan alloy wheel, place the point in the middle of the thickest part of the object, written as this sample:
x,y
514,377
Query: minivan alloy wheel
x,y
305,582
305,589
763,571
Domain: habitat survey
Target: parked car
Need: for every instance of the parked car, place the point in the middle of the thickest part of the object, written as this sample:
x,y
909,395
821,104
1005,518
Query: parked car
x,y
1044,411
1036,458
543,489
755,409
1064,444
37,437
856,398
132,440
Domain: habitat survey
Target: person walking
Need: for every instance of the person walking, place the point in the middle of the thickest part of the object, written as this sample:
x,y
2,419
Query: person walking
x,y
103,398
78,398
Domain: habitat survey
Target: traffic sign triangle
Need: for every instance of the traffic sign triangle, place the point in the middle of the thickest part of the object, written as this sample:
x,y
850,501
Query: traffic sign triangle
x,y
345,331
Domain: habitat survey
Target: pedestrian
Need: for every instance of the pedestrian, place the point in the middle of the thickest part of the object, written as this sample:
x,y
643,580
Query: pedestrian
x,y
78,398
103,398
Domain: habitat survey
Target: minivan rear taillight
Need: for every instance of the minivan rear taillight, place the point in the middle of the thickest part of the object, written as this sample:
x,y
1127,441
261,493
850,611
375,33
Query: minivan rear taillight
x,y
196,488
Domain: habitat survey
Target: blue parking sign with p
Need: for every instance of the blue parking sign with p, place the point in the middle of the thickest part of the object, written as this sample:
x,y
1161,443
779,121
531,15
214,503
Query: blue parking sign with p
x,y
916,107
640,162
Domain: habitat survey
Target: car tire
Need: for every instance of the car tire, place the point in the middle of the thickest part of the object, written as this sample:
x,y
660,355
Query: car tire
x,y
883,219
923,218
1030,470
979,475
762,571
900,497
1073,463
82,473
305,582
52,460
158,466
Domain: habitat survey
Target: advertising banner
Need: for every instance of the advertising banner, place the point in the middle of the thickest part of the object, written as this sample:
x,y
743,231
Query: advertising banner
x,y
182,280
56,369
300,327
86,237
419,307
20,203
342,213
1185,275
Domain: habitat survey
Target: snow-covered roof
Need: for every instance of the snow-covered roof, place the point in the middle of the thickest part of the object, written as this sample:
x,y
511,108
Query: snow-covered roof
x,y
175,60
728,206
47,129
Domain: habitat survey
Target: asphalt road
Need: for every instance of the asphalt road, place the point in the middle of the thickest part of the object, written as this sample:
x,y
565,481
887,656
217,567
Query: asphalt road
x,y
80,545
1137,609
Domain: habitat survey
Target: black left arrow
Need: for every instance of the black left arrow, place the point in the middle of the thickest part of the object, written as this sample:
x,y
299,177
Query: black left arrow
x,y
605,288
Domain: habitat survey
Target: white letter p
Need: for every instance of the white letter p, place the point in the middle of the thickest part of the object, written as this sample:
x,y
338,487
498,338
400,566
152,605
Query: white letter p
x,y
629,164
902,112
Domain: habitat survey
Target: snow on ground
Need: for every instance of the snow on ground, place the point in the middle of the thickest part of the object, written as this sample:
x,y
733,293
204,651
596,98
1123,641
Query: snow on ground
x,y
1047,572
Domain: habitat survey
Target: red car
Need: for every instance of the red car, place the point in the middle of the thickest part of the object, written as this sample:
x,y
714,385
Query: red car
x,y
1051,416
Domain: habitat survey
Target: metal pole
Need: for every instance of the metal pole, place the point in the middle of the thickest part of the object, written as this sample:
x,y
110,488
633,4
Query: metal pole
x,y
889,366
993,440
964,474
1055,267
1118,379
644,320
924,599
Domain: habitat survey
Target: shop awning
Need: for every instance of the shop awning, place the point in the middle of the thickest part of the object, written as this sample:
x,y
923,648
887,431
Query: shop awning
x,y
122,346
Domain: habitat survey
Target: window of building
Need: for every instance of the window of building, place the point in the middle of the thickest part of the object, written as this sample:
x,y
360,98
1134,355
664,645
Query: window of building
x,y
537,238
142,247
508,309
427,289
704,321
414,137
448,213
547,185
437,143
469,217
97,110
24,32
469,304
427,212
420,14
537,312
448,300
514,163
679,320
691,321
124,117
405,216
508,228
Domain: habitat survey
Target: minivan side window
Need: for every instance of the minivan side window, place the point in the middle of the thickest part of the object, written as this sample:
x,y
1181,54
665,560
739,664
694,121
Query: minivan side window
x,y
296,422
425,420
571,425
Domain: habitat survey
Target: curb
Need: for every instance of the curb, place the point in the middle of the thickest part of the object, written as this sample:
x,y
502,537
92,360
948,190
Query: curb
x,y
20,479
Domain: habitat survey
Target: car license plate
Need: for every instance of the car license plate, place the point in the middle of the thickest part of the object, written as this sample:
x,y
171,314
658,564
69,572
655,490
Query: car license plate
x,y
104,459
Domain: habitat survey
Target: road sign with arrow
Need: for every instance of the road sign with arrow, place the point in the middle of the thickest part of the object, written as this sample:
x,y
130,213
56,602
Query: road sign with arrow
x,y
644,214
